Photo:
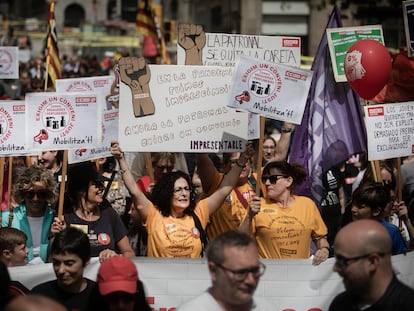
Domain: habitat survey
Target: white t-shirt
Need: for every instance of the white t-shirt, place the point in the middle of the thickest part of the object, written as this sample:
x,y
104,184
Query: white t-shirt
x,y
206,302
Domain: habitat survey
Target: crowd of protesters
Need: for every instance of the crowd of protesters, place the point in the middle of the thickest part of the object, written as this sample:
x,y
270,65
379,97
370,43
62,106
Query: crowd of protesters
x,y
167,217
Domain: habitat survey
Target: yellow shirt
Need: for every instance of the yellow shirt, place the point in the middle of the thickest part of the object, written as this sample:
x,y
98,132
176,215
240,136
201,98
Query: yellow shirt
x,y
287,232
175,237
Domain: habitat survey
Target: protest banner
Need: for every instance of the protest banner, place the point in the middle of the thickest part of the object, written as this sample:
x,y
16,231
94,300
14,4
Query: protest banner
x,y
223,49
408,14
272,90
178,109
288,284
390,130
12,127
341,39
62,120
9,62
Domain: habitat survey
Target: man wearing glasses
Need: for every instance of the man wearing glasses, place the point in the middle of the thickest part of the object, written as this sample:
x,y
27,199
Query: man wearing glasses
x,y
363,260
235,272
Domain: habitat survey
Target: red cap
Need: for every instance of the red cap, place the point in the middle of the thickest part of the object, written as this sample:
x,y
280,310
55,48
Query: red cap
x,y
117,274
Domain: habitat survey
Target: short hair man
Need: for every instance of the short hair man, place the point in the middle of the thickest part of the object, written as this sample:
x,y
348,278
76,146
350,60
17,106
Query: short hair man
x,y
13,249
70,254
363,260
235,272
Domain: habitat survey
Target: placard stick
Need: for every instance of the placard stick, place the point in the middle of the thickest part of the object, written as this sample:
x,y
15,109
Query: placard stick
x,y
149,166
62,184
260,155
9,191
1,178
399,188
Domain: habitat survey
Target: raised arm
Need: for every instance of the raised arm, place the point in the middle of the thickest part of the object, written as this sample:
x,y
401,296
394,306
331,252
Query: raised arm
x,y
206,170
282,146
138,198
230,179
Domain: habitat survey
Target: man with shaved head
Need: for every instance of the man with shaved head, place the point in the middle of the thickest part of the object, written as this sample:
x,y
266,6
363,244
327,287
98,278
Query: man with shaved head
x,y
363,260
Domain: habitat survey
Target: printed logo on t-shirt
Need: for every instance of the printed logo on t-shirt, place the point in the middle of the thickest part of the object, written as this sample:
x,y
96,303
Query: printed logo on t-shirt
x,y
104,239
195,233
171,228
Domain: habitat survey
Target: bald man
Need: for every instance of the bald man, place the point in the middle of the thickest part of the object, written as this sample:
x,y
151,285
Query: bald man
x,y
363,260
34,303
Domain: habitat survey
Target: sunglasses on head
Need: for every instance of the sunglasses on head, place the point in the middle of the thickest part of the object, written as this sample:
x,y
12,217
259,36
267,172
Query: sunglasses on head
x,y
40,194
272,178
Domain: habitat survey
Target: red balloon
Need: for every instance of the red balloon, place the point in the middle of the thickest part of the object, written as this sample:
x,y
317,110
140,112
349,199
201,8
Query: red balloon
x,y
367,67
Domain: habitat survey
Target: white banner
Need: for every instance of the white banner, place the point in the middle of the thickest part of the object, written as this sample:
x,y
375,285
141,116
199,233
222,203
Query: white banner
x,y
12,127
62,120
272,90
222,49
178,109
288,284
390,130
9,62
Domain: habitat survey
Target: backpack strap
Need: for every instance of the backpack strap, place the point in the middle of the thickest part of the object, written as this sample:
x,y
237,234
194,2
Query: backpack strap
x,y
203,234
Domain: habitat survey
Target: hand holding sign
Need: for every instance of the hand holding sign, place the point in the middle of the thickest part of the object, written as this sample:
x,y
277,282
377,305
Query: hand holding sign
x,y
367,67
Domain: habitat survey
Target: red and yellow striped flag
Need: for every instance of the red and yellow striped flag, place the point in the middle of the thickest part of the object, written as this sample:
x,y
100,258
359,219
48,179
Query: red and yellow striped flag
x,y
54,67
145,23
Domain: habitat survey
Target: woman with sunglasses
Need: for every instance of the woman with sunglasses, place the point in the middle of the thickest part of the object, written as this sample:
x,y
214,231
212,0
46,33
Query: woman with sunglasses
x,y
34,192
284,223
174,219
93,214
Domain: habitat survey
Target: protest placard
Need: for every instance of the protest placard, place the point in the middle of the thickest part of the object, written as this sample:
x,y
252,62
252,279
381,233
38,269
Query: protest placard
x,y
62,120
272,90
109,133
221,49
12,125
341,39
390,130
178,108
9,62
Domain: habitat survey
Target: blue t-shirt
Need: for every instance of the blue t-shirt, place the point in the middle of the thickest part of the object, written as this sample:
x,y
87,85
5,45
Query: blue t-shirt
x,y
398,243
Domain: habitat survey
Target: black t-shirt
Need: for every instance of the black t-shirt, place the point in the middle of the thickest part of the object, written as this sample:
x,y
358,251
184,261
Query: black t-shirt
x,y
398,296
72,302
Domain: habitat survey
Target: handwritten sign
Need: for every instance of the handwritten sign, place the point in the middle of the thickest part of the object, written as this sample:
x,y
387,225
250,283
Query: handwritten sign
x,y
9,62
178,108
62,120
341,39
390,130
272,90
98,84
12,125
223,49
109,133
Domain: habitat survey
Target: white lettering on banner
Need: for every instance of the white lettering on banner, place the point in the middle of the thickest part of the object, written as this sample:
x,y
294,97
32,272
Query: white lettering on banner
x,y
293,284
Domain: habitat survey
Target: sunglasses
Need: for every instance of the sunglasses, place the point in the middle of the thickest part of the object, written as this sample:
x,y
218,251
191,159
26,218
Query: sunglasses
x,y
272,178
40,194
165,167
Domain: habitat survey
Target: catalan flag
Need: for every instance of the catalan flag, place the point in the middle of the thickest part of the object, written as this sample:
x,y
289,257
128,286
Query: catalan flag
x,y
145,23
53,64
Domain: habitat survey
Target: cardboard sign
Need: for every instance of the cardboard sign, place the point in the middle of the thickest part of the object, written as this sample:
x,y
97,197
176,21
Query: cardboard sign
x,y
62,120
9,62
272,90
177,109
390,130
12,125
341,39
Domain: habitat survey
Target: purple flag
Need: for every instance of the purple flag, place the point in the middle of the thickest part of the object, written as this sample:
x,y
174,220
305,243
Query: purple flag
x,y
332,127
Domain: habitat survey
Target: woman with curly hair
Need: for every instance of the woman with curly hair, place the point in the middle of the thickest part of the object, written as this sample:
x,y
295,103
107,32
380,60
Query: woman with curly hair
x,y
282,222
35,191
174,220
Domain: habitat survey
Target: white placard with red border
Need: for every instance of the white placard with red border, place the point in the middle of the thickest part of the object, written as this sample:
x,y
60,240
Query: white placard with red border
x,y
269,89
390,130
12,125
88,84
191,112
9,62
62,120
109,133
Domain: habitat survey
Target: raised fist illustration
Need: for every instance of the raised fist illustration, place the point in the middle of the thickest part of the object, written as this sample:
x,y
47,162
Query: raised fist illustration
x,y
192,39
136,74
